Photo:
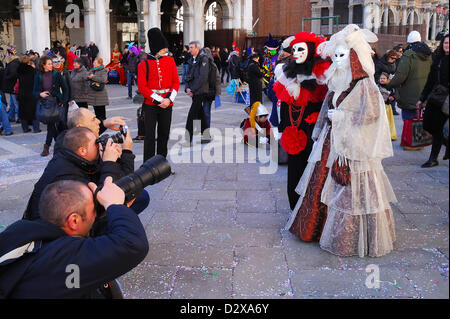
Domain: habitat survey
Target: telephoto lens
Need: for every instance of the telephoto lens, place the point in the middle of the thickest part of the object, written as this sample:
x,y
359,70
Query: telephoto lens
x,y
151,172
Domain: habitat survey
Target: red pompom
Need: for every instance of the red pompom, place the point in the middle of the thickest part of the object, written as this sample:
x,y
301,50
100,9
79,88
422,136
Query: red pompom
x,y
320,68
293,140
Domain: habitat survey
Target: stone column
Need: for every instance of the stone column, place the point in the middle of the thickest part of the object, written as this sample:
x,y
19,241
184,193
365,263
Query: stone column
x,y
154,15
237,14
427,23
247,15
315,24
350,13
40,22
377,18
385,20
102,30
26,25
331,21
404,18
367,16
433,27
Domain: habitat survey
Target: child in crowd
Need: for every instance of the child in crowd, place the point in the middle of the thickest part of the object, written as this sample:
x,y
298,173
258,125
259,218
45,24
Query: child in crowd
x,y
257,127
388,98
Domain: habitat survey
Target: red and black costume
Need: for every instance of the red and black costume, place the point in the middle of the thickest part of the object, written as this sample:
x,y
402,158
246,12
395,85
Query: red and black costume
x,y
301,94
157,79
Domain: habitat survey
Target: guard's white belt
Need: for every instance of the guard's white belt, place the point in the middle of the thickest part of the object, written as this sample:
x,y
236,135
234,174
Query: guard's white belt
x,y
162,91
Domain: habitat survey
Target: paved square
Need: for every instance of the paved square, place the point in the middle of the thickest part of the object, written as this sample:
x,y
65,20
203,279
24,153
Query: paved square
x,y
216,230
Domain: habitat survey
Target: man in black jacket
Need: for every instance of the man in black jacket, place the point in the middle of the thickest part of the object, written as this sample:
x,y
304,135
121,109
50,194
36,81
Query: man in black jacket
x,y
55,258
197,87
9,81
79,160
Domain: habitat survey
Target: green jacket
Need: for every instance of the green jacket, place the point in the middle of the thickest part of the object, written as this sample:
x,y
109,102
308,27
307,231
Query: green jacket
x,y
411,75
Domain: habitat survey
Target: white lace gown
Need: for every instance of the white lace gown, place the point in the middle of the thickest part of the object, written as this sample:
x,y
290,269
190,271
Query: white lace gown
x,y
360,219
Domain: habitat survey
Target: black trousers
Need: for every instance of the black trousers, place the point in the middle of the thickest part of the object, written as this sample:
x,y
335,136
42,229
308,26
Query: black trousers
x,y
296,167
100,112
157,120
83,105
196,112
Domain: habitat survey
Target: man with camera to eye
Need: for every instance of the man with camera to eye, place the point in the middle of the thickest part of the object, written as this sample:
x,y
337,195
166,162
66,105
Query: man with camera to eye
x,y
82,158
54,257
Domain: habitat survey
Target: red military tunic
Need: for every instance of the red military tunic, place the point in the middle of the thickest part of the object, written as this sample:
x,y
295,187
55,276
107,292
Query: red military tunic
x,y
160,82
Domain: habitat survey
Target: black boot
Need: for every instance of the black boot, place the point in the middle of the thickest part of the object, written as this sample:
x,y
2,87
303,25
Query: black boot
x,y
430,163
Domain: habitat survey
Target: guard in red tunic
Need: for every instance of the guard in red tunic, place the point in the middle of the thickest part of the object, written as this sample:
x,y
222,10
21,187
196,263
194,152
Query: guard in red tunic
x,y
301,93
158,82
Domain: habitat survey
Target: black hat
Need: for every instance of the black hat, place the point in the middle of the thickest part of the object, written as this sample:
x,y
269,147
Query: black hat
x,y
156,40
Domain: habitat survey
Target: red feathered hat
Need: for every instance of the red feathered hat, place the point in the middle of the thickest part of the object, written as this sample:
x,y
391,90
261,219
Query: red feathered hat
x,y
307,37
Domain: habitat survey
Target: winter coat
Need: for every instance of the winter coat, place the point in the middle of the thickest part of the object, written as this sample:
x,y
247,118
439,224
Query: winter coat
x,y
384,66
60,88
42,271
66,165
234,63
132,63
27,101
93,52
197,76
254,76
433,118
411,75
96,98
10,76
79,85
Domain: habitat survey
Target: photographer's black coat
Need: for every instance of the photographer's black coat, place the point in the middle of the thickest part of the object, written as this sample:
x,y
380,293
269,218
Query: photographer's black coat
x,y
66,165
41,272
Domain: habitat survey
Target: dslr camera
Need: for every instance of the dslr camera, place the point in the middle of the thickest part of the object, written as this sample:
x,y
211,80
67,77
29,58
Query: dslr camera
x,y
116,138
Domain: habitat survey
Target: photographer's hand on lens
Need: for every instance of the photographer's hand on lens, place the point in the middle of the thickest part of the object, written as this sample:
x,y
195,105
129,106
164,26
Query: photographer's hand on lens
x,y
110,194
114,123
112,151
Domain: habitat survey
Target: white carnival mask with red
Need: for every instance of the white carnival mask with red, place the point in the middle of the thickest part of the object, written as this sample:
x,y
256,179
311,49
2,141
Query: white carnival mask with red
x,y
300,52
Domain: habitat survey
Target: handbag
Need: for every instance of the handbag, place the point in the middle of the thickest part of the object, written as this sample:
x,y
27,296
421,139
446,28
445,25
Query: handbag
x,y
48,111
439,92
413,134
97,86
390,116
340,172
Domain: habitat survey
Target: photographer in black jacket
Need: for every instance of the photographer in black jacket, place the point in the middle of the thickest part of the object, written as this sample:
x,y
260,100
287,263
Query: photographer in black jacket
x,y
54,257
82,159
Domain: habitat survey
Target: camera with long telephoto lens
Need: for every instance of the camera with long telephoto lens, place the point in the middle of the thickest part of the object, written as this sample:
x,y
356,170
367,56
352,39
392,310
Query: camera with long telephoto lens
x,y
151,172
116,138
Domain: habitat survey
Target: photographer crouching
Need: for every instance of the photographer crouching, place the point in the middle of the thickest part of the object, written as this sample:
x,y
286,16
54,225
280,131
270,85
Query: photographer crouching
x,y
54,257
85,158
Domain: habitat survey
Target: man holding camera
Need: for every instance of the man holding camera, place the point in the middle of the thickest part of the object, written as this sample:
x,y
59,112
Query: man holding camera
x,y
54,257
83,159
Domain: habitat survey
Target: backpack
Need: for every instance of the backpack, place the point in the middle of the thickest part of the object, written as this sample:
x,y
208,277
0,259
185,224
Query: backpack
x,y
244,70
212,76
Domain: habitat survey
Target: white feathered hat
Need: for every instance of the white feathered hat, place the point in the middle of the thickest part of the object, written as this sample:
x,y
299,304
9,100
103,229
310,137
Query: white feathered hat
x,y
352,37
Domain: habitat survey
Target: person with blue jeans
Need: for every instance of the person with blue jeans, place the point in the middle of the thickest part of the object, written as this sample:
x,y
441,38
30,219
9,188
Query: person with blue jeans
x,y
6,126
131,70
13,112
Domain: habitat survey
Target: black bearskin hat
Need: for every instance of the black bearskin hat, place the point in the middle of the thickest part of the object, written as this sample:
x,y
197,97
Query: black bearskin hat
x,y
156,40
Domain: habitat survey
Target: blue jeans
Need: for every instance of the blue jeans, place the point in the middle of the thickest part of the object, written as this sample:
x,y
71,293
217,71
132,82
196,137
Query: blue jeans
x,y
185,71
130,76
4,119
207,110
408,114
13,107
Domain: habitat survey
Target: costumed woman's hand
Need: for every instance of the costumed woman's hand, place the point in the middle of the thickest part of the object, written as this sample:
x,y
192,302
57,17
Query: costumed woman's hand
x,y
330,114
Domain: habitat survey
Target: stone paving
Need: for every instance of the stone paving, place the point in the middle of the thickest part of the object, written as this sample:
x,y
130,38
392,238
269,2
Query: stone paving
x,y
216,230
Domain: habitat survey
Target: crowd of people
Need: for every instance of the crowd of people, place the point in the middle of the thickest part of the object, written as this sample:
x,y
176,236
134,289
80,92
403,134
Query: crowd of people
x,y
330,104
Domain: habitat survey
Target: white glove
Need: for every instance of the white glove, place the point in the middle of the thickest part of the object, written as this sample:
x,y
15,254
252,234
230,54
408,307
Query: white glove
x,y
263,140
330,114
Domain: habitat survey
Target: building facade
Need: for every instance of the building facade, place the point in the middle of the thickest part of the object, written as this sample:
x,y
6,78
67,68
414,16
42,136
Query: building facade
x,y
34,24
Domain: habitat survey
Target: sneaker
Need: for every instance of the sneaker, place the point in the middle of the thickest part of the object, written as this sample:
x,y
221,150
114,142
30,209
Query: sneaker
x,y
27,131
37,131
7,134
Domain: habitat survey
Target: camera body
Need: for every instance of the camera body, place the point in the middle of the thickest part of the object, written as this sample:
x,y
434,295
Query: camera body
x,y
116,138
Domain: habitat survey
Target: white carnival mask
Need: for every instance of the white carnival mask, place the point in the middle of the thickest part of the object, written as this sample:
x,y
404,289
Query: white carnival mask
x,y
341,57
300,52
